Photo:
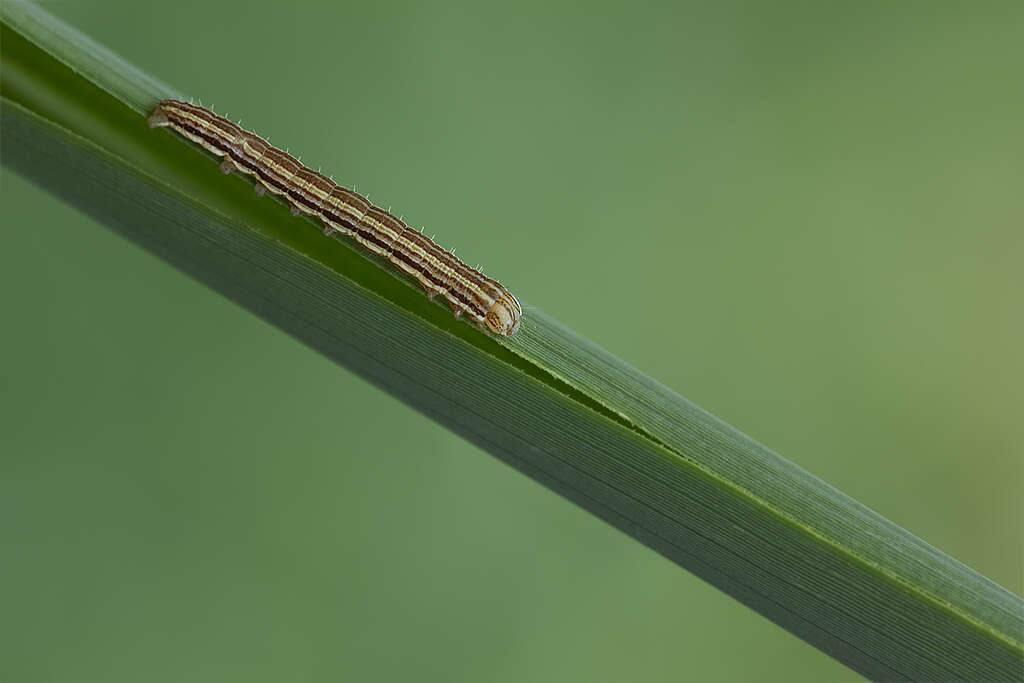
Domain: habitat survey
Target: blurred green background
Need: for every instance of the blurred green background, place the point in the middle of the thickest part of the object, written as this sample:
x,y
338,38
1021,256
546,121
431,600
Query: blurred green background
x,y
805,217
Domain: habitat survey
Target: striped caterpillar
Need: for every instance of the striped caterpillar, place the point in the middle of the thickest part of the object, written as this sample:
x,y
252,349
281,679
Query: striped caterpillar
x,y
483,300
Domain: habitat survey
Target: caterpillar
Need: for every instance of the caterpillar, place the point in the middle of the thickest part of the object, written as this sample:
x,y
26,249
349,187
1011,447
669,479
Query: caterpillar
x,y
468,291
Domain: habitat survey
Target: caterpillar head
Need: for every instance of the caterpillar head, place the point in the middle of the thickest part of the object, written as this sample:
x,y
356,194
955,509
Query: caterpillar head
x,y
503,315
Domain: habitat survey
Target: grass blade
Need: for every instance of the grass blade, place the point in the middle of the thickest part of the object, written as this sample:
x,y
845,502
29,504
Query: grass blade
x,y
546,401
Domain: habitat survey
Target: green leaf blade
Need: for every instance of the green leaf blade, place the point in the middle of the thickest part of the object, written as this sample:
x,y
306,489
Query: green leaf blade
x,y
546,401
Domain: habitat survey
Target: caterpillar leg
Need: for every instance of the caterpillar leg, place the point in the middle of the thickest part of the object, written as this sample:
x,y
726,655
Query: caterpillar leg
x,y
431,292
227,166
158,118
